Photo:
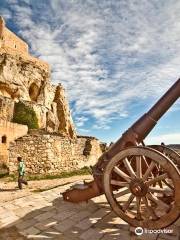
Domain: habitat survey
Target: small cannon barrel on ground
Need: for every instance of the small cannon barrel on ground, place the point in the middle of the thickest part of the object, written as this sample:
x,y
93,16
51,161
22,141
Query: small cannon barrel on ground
x,y
140,183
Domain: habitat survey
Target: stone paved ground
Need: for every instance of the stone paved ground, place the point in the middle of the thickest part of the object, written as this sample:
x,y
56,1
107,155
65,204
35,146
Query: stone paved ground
x,y
46,216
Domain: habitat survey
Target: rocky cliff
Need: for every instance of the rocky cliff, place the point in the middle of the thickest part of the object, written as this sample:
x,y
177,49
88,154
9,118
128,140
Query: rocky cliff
x,y
27,79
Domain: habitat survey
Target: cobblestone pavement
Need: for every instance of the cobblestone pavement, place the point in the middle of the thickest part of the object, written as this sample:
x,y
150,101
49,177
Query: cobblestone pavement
x,y
46,216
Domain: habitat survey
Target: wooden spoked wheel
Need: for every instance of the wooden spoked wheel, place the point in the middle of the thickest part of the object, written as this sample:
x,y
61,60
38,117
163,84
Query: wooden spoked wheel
x,y
170,153
134,182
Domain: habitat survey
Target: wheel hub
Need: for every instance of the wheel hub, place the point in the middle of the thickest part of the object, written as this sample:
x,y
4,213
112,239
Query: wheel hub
x,y
138,187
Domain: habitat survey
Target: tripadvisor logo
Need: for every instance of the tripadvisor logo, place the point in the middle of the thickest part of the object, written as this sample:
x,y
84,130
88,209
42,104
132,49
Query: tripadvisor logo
x,y
139,231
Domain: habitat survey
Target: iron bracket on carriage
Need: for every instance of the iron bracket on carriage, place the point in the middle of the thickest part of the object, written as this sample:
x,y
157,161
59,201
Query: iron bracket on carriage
x,y
141,183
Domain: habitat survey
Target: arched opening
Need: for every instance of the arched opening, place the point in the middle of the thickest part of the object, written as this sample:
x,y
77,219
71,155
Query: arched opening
x,y
4,139
34,92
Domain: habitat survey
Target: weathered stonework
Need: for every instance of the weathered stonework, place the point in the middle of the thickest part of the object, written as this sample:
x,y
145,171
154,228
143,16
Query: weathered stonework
x,y
24,78
46,154
9,39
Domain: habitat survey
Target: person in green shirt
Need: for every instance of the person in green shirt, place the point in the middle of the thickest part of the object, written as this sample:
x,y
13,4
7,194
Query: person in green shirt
x,y
21,172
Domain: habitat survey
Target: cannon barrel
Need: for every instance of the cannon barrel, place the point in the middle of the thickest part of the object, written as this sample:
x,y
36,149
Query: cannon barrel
x,y
132,137
142,127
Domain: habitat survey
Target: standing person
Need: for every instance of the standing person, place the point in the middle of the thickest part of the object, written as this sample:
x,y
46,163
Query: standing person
x,y
21,172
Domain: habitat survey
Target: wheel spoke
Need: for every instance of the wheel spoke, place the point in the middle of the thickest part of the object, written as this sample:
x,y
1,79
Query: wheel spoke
x,y
149,170
119,183
122,174
122,193
157,201
160,190
147,164
128,202
138,203
160,184
167,184
138,167
156,179
149,208
129,168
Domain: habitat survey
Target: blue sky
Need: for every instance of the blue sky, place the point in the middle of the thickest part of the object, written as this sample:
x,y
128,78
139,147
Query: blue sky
x,y
115,58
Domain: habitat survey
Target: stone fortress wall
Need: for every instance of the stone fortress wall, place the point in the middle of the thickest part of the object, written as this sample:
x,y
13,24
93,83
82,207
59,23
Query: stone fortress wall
x,y
55,146
9,39
46,154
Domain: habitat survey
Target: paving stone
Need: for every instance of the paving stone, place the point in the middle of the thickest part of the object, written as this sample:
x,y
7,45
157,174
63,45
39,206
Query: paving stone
x,y
51,232
30,231
21,212
6,214
73,232
100,213
48,208
115,234
9,220
44,216
92,234
63,215
92,219
48,223
81,215
25,224
33,214
65,225
10,206
112,220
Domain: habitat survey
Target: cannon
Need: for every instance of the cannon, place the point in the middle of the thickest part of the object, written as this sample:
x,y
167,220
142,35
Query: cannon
x,y
141,183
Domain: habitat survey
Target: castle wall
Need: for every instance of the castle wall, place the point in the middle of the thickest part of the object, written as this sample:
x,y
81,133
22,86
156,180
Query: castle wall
x,y
9,39
9,132
48,154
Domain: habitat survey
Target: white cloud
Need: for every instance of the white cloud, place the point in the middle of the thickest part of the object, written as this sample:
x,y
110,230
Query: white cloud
x,y
170,138
107,54
80,121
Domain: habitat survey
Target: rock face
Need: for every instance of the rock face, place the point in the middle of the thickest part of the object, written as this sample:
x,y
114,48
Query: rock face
x,y
27,79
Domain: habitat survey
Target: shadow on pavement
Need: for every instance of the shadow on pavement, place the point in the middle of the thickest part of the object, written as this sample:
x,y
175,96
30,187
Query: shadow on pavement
x,y
67,221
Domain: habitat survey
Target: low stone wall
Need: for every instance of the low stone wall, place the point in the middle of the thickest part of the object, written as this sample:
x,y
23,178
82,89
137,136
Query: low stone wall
x,y
48,154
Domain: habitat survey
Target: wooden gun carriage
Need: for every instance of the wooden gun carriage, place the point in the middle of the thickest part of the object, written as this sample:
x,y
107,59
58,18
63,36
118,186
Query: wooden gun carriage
x,y
141,183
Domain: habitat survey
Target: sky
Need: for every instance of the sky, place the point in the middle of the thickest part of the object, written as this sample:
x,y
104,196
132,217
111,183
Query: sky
x,y
115,58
